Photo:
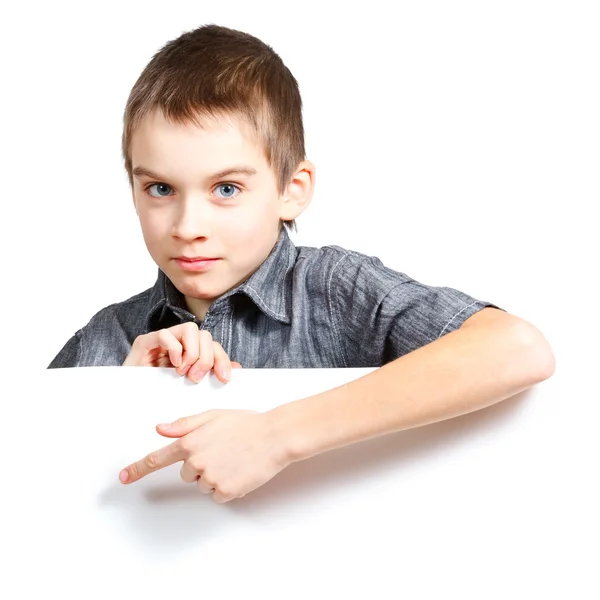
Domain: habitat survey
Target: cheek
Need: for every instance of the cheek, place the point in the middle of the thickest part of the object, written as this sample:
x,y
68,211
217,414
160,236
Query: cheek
x,y
254,218
246,232
153,229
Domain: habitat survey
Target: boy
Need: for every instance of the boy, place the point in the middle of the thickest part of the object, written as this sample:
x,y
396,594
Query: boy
x,y
213,145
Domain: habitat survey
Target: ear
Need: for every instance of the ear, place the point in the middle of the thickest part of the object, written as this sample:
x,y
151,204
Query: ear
x,y
299,191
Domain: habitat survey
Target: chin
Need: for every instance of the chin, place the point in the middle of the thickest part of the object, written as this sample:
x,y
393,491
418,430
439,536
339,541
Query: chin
x,y
194,290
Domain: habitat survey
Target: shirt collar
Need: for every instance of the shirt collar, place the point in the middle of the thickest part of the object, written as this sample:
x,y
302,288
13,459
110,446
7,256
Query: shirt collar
x,y
269,287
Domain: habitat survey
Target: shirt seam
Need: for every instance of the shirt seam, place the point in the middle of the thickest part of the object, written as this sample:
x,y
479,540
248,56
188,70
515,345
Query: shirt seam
x,y
230,341
264,304
456,315
79,335
337,335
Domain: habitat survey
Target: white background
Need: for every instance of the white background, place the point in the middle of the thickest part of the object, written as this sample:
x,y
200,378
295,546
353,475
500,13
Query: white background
x,y
496,504
457,141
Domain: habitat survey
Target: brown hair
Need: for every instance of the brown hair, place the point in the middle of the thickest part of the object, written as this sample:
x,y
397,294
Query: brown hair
x,y
215,71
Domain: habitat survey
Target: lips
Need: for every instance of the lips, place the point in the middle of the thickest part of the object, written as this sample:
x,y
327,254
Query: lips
x,y
195,263
195,258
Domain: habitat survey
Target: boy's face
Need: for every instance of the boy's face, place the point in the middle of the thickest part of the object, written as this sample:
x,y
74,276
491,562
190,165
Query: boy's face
x,y
187,210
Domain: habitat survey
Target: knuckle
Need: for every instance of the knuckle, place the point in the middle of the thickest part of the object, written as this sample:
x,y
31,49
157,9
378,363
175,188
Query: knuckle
x,y
163,336
226,490
192,351
151,461
140,340
134,471
209,481
184,475
181,423
195,462
219,496
204,364
185,444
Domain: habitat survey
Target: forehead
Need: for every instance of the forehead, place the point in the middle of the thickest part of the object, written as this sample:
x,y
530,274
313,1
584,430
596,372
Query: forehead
x,y
190,152
155,129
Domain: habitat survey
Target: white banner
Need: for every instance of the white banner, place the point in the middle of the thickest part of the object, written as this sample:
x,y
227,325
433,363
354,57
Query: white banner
x,y
471,507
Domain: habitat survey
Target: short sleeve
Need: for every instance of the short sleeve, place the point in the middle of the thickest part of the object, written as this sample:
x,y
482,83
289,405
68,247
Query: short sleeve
x,y
70,355
380,314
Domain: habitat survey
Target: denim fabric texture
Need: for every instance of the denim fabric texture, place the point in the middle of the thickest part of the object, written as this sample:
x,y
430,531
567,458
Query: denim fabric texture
x,y
303,307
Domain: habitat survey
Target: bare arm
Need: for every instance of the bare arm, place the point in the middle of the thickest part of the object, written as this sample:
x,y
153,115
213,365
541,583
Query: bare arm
x,y
493,356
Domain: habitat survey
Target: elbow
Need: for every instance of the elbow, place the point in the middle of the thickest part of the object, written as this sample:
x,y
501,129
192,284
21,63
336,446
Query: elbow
x,y
538,353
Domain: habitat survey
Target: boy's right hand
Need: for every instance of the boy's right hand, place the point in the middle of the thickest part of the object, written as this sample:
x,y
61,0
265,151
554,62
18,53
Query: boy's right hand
x,y
191,350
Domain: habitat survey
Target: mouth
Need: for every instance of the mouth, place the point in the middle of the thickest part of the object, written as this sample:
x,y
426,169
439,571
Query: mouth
x,y
195,258
195,263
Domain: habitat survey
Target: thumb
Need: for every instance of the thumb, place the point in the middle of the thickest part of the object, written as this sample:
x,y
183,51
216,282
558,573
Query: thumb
x,y
185,425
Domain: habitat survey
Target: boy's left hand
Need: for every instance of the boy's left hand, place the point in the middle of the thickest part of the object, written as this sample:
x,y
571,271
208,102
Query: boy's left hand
x,y
227,452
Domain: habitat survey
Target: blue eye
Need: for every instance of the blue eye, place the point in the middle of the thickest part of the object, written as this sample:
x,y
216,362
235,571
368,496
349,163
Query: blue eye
x,y
163,190
158,185
231,187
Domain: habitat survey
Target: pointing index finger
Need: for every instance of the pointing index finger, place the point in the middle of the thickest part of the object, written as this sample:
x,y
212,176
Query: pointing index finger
x,y
154,461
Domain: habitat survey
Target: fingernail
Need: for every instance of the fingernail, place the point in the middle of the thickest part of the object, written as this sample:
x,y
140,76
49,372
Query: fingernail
x,y
165,426
124,475
227,374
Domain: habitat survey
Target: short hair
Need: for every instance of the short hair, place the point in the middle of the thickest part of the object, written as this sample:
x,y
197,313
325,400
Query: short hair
x,y
215,71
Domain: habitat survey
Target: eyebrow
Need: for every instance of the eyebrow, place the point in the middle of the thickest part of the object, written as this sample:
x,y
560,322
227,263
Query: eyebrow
x,y
238,170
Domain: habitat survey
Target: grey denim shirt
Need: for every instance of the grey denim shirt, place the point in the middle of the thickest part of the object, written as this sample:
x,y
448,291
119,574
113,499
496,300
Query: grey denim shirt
x,y
303,307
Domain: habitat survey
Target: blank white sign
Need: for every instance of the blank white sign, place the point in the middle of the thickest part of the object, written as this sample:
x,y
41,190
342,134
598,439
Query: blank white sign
x,y
492,504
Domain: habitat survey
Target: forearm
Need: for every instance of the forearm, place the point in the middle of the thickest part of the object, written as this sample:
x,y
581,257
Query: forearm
x,y
465,370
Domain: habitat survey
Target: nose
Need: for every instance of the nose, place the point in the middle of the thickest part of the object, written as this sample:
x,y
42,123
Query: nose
x,y
191,219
